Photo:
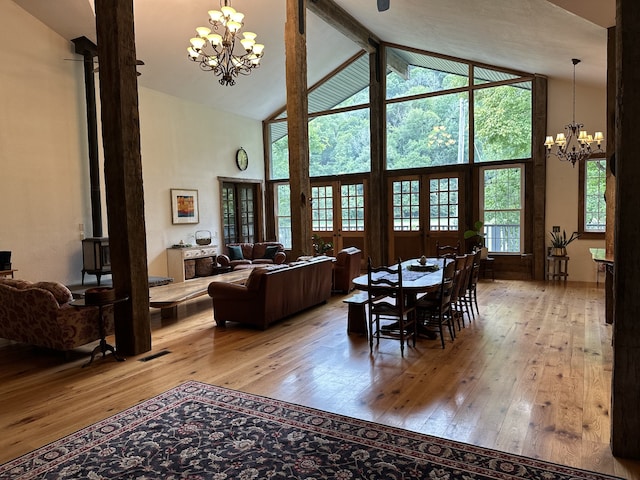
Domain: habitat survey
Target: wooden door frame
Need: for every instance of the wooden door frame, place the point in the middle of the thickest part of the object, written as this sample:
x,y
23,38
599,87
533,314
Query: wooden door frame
x,y
259,205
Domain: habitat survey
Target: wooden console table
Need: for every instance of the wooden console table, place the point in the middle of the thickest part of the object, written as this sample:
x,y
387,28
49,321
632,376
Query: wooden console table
x,y
177,256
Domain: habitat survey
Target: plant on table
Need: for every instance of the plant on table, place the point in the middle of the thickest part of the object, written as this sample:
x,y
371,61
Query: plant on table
x,y
320,247
477,235
559,242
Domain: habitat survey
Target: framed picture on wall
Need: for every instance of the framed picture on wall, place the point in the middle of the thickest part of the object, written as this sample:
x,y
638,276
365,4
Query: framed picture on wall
x,y
184,206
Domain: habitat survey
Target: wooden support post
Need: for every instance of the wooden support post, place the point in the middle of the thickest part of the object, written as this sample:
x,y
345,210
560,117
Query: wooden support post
x,y
297,121
377,245
123,173
538,180
625,414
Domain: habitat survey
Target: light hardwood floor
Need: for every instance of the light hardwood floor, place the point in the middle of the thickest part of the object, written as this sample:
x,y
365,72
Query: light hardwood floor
x,y
531,375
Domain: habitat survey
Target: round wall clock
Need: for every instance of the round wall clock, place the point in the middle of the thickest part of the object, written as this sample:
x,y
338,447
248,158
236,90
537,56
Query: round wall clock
x,y
242,159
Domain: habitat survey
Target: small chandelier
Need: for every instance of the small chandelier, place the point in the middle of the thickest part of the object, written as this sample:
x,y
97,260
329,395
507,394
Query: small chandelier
x,y
581,149
214,52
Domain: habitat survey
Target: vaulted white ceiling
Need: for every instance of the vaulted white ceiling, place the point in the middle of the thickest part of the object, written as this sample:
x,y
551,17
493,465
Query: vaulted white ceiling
x,y
535,36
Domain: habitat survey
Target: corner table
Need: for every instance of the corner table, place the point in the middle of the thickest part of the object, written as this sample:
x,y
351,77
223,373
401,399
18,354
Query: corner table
x,y
103,346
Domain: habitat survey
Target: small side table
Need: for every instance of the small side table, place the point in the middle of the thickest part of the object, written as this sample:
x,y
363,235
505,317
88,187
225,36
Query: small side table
x,y
557,268
486,268
103,346
6,273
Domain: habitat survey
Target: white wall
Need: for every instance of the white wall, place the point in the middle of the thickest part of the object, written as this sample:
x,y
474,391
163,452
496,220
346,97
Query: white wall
x,y
185,145
44,174
42,130
562,178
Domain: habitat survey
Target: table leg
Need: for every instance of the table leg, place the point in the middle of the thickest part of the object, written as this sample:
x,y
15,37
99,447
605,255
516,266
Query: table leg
x,y
103,346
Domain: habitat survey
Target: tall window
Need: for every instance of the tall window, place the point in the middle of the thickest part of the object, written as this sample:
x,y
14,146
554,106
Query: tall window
x,y
283,214
502,205
593,208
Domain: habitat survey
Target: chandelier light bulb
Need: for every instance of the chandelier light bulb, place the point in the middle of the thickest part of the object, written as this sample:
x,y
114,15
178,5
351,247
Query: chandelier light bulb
x,y
203,31
227,11
198,42
215,15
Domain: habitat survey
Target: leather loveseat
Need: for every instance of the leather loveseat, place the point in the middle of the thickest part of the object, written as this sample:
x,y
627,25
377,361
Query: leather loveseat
x,y
346,268
39,314
272,293
241,255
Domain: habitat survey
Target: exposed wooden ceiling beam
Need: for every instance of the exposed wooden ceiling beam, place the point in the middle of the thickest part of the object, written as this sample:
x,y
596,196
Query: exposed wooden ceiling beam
x,y
334,15
337,17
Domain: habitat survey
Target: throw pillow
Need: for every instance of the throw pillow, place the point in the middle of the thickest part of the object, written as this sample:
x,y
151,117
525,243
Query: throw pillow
x,y
271,251
61,293
235,252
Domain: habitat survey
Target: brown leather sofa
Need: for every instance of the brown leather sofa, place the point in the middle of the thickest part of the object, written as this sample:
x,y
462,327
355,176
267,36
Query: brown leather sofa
x,y
346,268
246,254
272,293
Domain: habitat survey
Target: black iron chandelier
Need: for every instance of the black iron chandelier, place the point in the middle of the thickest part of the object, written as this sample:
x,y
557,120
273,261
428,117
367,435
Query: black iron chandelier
x,y
568,150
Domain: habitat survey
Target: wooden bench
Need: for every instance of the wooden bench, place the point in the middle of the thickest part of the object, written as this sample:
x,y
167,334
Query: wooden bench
x,y
357,314
168,297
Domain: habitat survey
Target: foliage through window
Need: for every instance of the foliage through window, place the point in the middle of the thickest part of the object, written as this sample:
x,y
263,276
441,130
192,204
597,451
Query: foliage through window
x,y
502,127
428,132
503,208
593,175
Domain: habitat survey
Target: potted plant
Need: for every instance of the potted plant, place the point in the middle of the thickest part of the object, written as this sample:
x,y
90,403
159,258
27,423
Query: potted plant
x,y
559,242
477,234
320,247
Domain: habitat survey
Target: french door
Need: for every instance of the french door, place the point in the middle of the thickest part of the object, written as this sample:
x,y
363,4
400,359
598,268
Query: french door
x,y
338,213
240,204
424,210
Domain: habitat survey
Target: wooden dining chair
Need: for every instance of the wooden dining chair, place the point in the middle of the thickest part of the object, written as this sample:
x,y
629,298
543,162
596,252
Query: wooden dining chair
x,y
435,312
447,251
462,303
471,293
390,316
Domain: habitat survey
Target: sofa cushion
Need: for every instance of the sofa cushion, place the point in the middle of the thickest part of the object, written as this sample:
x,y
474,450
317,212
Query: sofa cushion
x,y
14,282
235,252
61,293
270,252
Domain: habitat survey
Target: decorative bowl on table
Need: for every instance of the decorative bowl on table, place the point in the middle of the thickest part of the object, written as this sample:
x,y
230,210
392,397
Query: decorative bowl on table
x,y
418,266
203,237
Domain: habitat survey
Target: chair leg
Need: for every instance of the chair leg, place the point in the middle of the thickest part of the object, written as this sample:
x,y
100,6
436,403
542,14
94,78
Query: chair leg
x,y
475,299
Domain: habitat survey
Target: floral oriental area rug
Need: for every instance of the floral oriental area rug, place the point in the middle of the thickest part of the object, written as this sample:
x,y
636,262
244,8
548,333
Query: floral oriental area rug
x,y
198,431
